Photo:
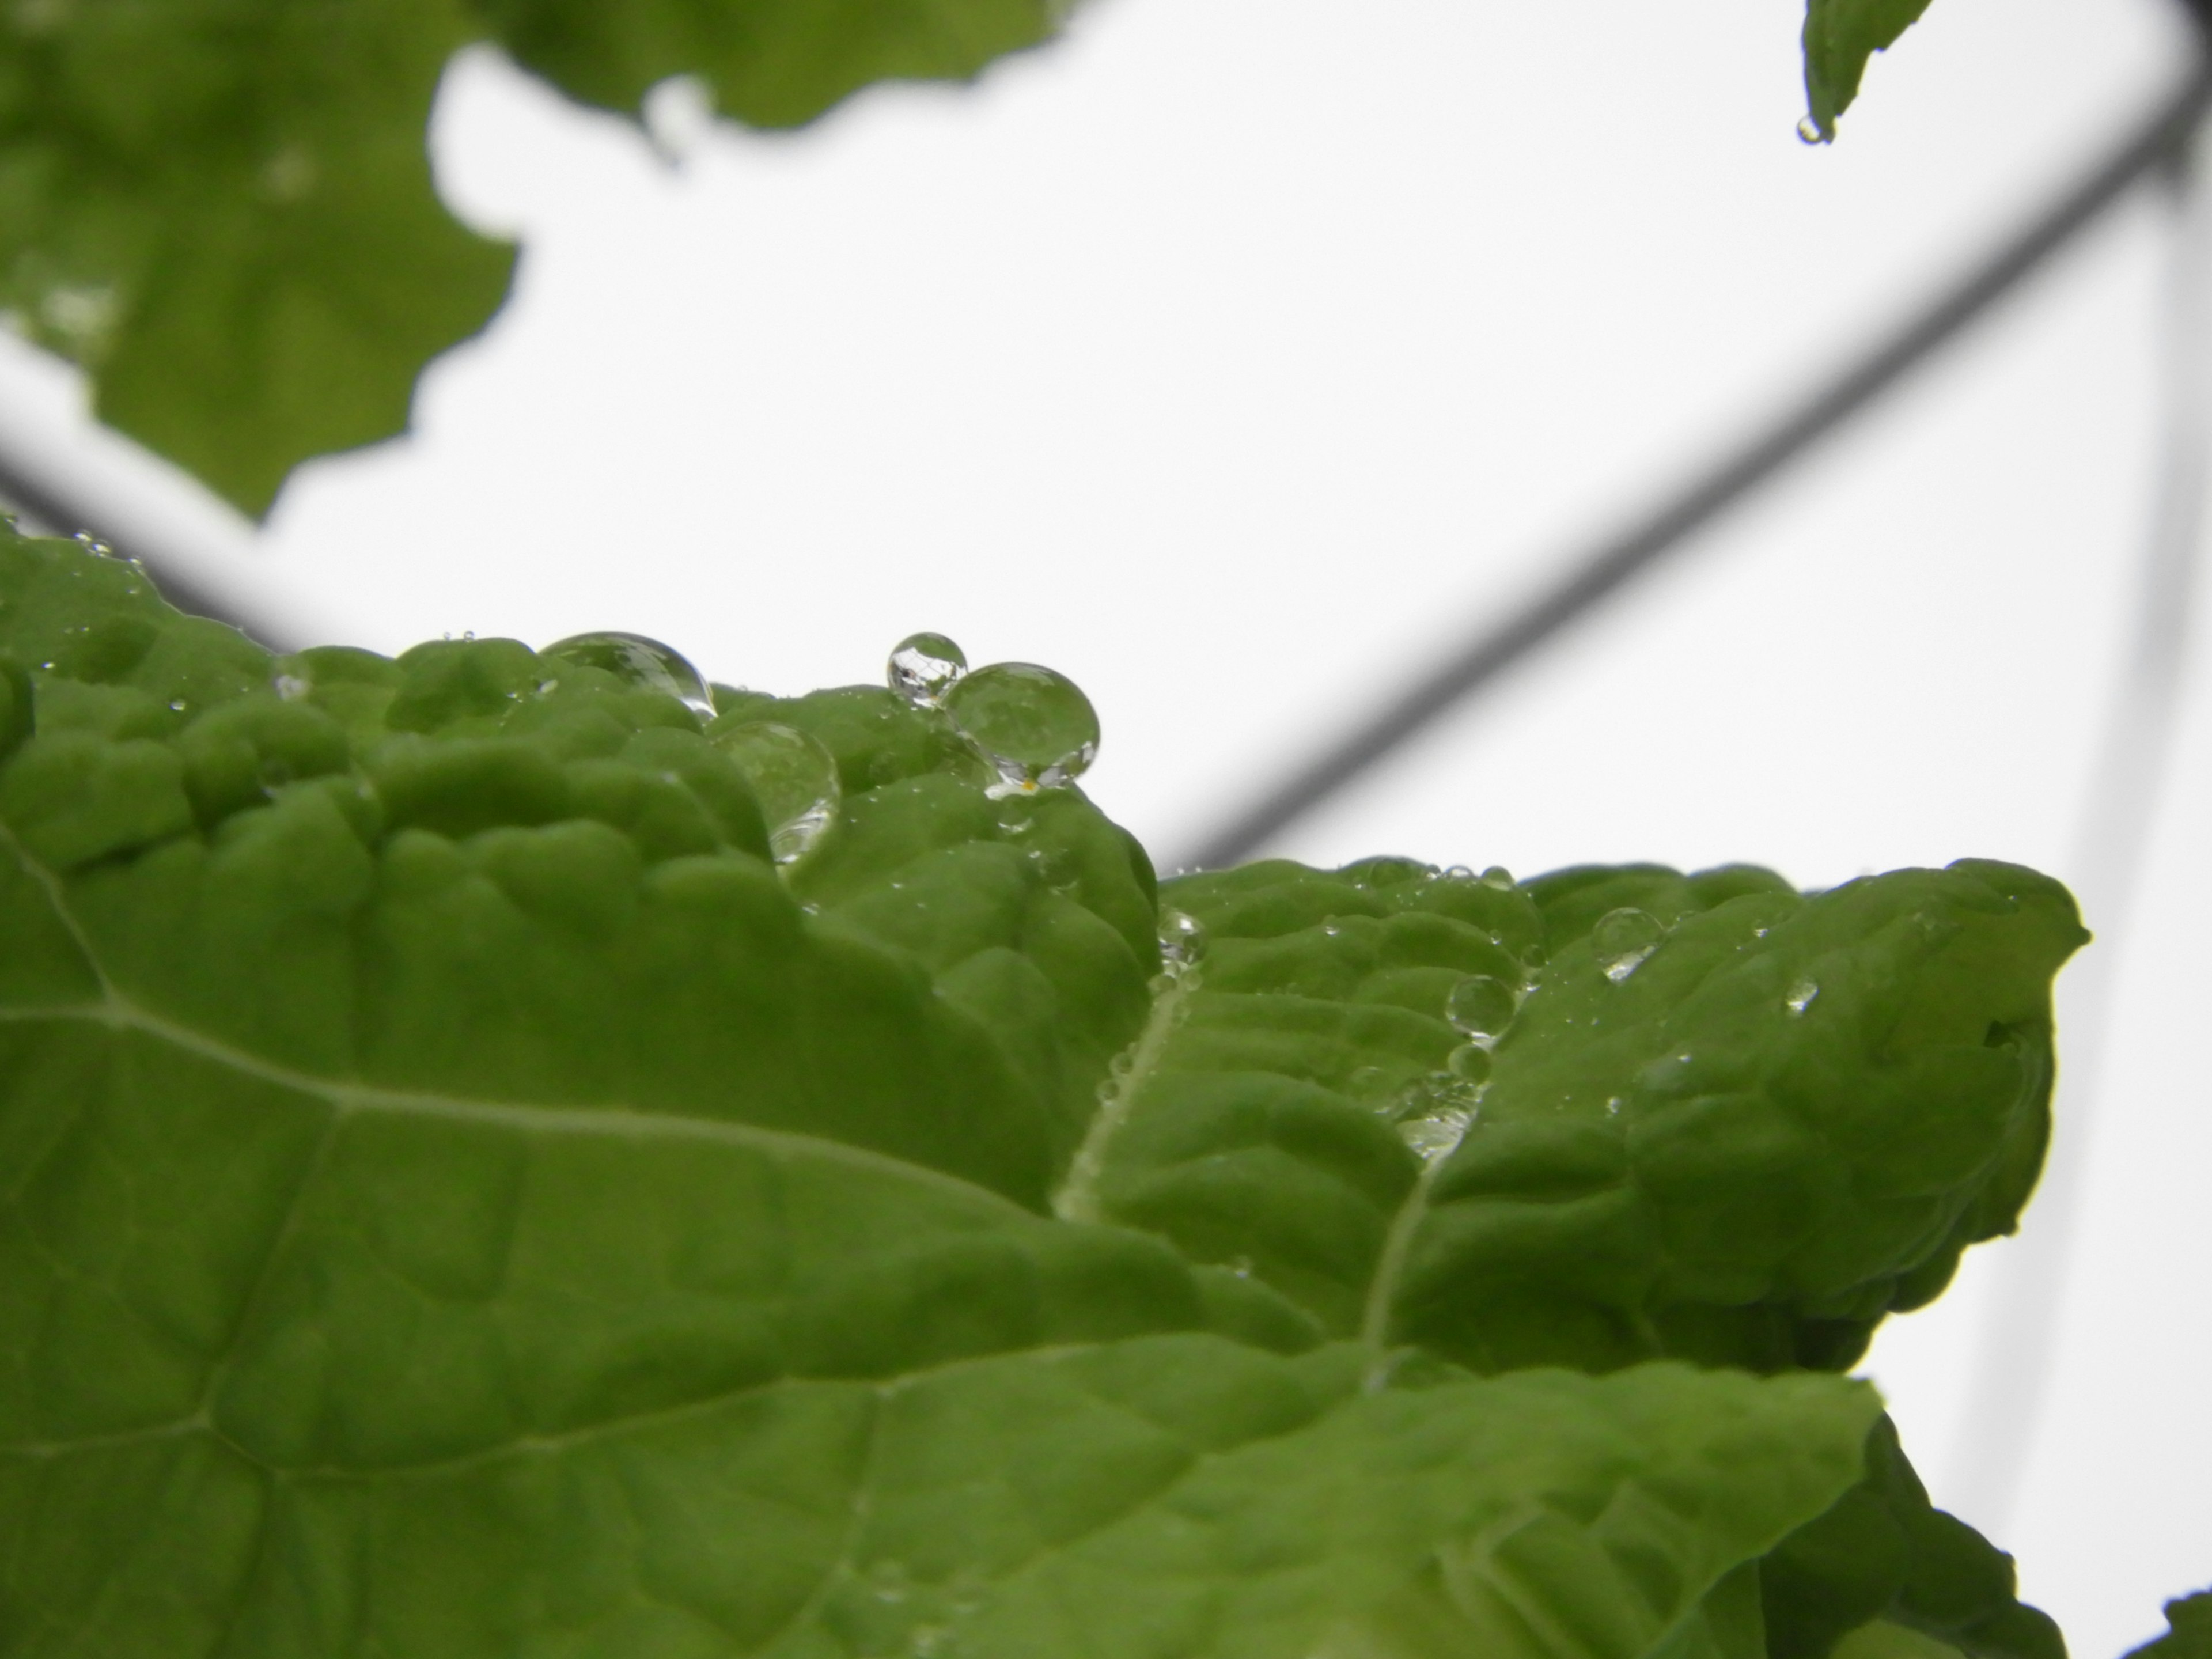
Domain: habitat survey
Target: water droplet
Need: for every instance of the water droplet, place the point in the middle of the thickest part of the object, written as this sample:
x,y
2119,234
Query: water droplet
x,y
1481,1006
92,545
1470,1063
1183,938
1367,1080
793,778
292,687
924,667
1800,996
1613,1106
1033,726
1239,1265
1809,132
639,661
1437,1134
1499,877
1460,872
1623,938
176,705
468,633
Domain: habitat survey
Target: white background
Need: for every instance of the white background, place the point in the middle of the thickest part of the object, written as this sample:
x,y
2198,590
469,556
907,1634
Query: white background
x,y
1231,354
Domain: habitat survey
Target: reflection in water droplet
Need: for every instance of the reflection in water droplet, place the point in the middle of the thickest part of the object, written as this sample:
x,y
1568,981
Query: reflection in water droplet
x,y
1613,1106
1809,132
923,667
793,778
1800,996
1470,1063
1623,938
176,705
639,661
1499,877
1183,938
1034,727
92,545
1239,1265
1459,872
1481,1006
1436,1134
292,687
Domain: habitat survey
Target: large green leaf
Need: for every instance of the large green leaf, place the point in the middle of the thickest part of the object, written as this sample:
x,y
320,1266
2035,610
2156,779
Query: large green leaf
x,y
1741,1131
1840,36
459,1198
224,210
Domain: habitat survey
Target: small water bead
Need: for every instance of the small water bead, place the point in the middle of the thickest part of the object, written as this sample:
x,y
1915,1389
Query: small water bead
x,y
1482,1006
1460,872
1800,997
1623,938
1033,726
1470,1063
1810,132
636,660
1499,877
923,667
1437,1134
793,778
292,687
1183,938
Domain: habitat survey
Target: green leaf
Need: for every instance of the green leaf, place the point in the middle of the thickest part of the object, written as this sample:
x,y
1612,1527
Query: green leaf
x,y
224,210
2189,1635
770,62
1840,35
1745,1146
1886,1568
458,1199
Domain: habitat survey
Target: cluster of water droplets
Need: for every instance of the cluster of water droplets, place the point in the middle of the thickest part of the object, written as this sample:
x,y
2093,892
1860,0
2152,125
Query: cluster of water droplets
x,y
1032,725
1434,1115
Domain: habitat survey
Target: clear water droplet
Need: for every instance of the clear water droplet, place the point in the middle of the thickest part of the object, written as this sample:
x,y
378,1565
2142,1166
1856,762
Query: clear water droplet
x,y
793,778
923,667
1183,938
1800,997
292,687
1033,726
1613,1106
1470,1063
1460,872
1623,938
1809,132
1367,1080
92,545
1481,1006
1499,877
636,660
1239,1265
1437,1134
176,705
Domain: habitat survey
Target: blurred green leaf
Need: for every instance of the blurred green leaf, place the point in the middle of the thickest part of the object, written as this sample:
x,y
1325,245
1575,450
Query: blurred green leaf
x,y
2189,1635
1840,35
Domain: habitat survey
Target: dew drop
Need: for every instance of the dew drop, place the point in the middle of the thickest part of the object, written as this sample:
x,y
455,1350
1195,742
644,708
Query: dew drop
x,y
1613,1106
636,660
1239,1265
1183,938
1436,1134
1809,132
793,778
1367,1080
1481,1006
92,545
176,705
1034,727
923,667
292,687
1800,997
1460,872
1499,877
1623,938
1470,1063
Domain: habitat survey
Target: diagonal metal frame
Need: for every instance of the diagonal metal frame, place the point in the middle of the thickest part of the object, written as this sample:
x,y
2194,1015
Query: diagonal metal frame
x,y
1600,571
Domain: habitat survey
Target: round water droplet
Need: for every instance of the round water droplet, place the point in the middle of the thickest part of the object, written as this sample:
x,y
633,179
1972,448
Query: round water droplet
x,y
924,667
1809,132
1800,997
1367,1080
1481,1006
1239,1265
1034,727
1623,938
1499,877
1183,938
1460,872
92,545
639,661
793,778
292,687
1470,1063
1436,1134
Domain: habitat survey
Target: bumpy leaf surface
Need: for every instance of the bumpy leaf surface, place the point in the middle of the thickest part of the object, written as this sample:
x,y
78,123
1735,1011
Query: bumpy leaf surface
x,y
1745,1146
1840,36
223,208
458,1199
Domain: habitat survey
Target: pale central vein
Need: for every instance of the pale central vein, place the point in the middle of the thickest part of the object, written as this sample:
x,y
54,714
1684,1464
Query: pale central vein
x,y
1390,1264
1077,1198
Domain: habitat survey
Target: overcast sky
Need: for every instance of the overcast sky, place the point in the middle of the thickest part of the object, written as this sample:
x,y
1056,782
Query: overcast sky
x,y
1231,354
